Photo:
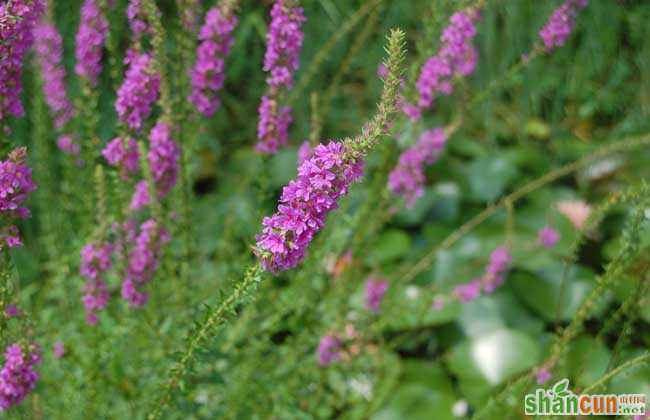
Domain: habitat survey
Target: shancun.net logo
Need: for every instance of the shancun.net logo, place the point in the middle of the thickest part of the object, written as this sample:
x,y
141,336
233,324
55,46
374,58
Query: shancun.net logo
x,y
561,401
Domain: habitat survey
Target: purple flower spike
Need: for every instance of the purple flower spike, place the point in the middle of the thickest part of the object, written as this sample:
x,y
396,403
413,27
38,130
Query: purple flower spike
x,y
208,74
15,186
375,291
560,24
143,262
17,20
90,42
457,55
139,90
273,126
329,350
304,205
95,262
283,43
468,292
127,159
18,375
548,237
49,51
408,179
59,350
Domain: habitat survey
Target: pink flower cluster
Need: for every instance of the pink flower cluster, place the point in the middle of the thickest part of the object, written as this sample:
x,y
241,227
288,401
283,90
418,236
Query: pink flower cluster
x,y
492,278
457,56
95,261
123,153
548,237
408,178
18,18
15,185
90,41
163,159
139,90
283,44
375,290
142,261
137,18
18,375
273,126
304,205
561,23
68,144
49,51
329,350
208,73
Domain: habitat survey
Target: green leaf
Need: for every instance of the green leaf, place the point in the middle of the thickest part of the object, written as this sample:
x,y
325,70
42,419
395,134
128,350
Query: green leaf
x,y
494,357
417,402
390,245
489,176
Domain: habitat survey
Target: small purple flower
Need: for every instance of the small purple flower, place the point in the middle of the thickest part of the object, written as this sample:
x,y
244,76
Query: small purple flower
x,y
208,74
283,43
560,24
18,375
67,144
469,291
163,159
329,350
17,20
90,40
138,18
281,60
548,237
375,291
273,126
304,152
143,262
304,205
49,51
12,311
542,375
139,90
96,260
123,153
59,350
457,55
15,186
408,179
492,279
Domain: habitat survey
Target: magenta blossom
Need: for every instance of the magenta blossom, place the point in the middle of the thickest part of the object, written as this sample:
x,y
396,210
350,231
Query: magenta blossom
x,y
560,24
208,73
49,51
59,350
273,126
67,144
143,262
123,153
329,350
139,90
15,186
304,205
408,178
17,20
493,277
548,237
375,290
96,260
90,40
457,56
283,43
18,375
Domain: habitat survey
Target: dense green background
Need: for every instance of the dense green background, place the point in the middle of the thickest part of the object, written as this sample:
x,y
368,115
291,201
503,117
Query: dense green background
x,y
415,362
